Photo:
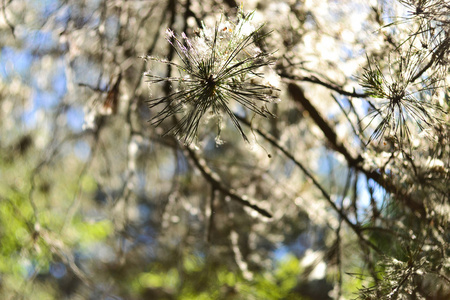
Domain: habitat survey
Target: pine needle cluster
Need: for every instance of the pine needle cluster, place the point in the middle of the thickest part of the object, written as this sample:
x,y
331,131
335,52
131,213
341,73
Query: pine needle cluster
x,y
401,100
405,88
219,67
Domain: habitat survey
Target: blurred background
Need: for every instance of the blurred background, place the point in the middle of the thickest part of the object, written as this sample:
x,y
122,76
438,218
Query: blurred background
x,y
95,203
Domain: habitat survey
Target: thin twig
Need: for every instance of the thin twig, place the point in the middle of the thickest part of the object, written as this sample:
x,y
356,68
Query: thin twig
x,y
214,179
331,86
10,25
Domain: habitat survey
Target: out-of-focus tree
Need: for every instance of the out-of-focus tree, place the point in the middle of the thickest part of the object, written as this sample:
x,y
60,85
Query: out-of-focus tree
x,y
302,153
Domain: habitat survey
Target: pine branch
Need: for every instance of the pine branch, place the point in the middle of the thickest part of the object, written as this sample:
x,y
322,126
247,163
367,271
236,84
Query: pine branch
x,y
274,142
354,162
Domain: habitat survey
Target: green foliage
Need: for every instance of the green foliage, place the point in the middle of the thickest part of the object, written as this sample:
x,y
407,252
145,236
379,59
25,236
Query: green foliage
x,y
198,280
30,240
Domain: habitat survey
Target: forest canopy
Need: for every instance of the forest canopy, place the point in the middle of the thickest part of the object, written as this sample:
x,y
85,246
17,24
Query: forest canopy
x,y
187,149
